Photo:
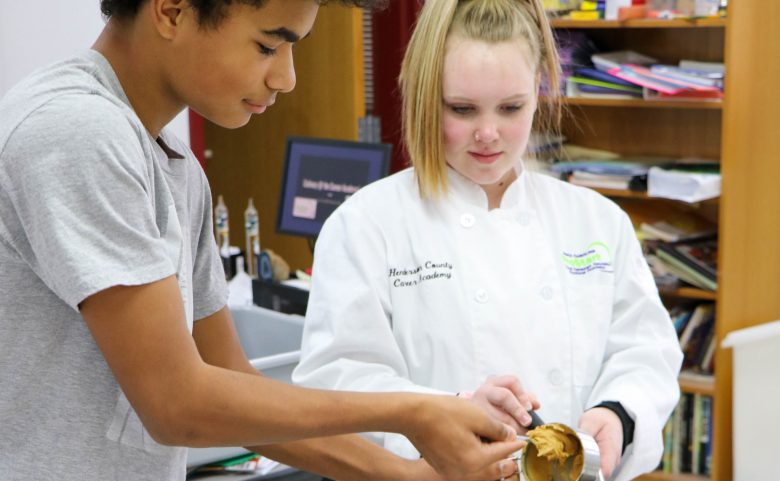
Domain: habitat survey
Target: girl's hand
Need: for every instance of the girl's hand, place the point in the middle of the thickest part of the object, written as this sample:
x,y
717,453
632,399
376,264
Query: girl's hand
x,y
505,400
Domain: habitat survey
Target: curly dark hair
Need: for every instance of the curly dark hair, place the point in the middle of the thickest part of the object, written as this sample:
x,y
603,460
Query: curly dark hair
x,y
210,12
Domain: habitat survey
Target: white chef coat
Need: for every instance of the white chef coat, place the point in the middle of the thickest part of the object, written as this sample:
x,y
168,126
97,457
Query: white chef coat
x,y
434,296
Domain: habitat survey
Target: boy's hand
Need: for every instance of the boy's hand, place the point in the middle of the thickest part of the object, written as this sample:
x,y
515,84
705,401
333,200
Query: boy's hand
x,y
503,469
505,400
448,432
607,430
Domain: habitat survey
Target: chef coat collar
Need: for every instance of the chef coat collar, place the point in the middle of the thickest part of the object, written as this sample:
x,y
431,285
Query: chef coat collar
x,y
462,188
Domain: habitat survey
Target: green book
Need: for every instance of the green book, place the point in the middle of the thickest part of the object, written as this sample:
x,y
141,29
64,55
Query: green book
x,y
606,85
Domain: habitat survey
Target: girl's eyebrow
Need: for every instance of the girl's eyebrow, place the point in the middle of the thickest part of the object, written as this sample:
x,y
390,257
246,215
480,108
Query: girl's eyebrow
x,y
511,98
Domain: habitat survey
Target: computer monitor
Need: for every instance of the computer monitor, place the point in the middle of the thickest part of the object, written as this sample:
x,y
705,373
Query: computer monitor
x,y
320,174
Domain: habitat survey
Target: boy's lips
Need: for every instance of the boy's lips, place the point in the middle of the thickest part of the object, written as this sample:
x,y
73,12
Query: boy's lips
x,y
257,107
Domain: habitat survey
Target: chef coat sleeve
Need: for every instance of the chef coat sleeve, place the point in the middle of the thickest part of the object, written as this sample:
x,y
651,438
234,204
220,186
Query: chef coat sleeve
x,y
642,358
348,341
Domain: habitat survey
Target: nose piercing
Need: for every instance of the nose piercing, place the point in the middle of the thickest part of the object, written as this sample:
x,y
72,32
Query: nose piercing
x,y
476,137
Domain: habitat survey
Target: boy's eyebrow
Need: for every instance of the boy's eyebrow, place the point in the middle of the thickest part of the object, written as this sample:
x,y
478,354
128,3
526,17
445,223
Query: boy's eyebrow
x,y
285,34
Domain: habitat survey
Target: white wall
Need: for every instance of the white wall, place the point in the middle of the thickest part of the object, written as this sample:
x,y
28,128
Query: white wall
x,y
34,33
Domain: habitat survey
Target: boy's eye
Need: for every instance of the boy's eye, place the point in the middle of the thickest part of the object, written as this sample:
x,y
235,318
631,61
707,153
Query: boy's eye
x,y
266,50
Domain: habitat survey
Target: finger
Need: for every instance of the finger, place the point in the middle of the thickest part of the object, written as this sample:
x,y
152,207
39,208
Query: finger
x,y
527,402
495,452
500,470
506,401
509,382
505,418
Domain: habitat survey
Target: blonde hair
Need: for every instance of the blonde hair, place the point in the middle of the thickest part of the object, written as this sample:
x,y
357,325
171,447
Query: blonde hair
x,y
490,21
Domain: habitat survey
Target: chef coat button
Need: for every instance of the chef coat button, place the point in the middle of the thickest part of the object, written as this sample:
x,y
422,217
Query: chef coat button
x,y
467,220
555,377
524,219
546,293
481,296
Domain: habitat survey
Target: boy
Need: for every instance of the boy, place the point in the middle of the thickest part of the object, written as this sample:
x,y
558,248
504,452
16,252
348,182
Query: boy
x,y
116,347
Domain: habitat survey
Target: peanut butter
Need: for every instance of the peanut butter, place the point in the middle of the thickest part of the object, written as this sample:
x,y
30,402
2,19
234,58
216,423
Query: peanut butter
x,y
554,453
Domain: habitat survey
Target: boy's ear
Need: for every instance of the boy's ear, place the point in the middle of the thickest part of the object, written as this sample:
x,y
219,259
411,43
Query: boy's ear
x,y
168,16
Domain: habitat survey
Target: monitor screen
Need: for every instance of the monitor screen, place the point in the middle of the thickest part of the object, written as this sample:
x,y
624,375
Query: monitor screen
x,y
320,174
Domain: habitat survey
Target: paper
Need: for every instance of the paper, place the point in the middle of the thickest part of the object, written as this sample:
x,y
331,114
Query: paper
x,y
685,186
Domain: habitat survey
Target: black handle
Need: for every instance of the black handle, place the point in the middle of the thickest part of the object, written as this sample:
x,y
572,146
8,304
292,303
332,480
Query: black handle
x,y
536,421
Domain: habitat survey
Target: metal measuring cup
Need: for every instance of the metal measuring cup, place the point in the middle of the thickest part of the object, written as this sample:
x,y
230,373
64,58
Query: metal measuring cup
x,y
586,447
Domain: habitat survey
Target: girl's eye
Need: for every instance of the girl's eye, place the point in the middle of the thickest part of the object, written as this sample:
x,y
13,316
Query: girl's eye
x,y
510,109
266,50
461,109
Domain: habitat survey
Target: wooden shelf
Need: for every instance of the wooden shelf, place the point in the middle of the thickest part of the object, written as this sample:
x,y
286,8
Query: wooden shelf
x,y
641,23
648,104
622,193
691,293
659,476
697,384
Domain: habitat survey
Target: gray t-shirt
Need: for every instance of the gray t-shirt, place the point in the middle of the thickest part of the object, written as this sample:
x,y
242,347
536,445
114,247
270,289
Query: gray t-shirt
x,y
88,200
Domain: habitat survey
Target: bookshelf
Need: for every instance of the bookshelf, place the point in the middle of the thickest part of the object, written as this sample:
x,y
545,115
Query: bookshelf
x,y
646,104
673,477
690,293
740,132
640,23
640,127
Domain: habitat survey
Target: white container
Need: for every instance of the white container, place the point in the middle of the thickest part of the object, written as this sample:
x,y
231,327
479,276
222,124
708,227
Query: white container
x,y
272,342
756,421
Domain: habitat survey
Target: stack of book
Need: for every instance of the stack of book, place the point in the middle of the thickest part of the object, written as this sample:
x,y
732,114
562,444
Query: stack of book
x,y
687,180
629,74
688,437
593,83
693,262
605,174
695,327
680,246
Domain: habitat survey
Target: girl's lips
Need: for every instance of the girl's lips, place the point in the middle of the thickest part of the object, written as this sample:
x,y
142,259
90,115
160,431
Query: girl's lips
x,y
485,157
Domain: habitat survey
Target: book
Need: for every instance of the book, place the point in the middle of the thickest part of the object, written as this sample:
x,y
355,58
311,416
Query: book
x,y
698,341
600,181
606,61
712,67
698,77
702,314
701,255
644,77
705,349
705,461
708,360
681,319
689,94
678,226
599,75
688,187
677,435
685,272
576,89
585,84
606,167
696,423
